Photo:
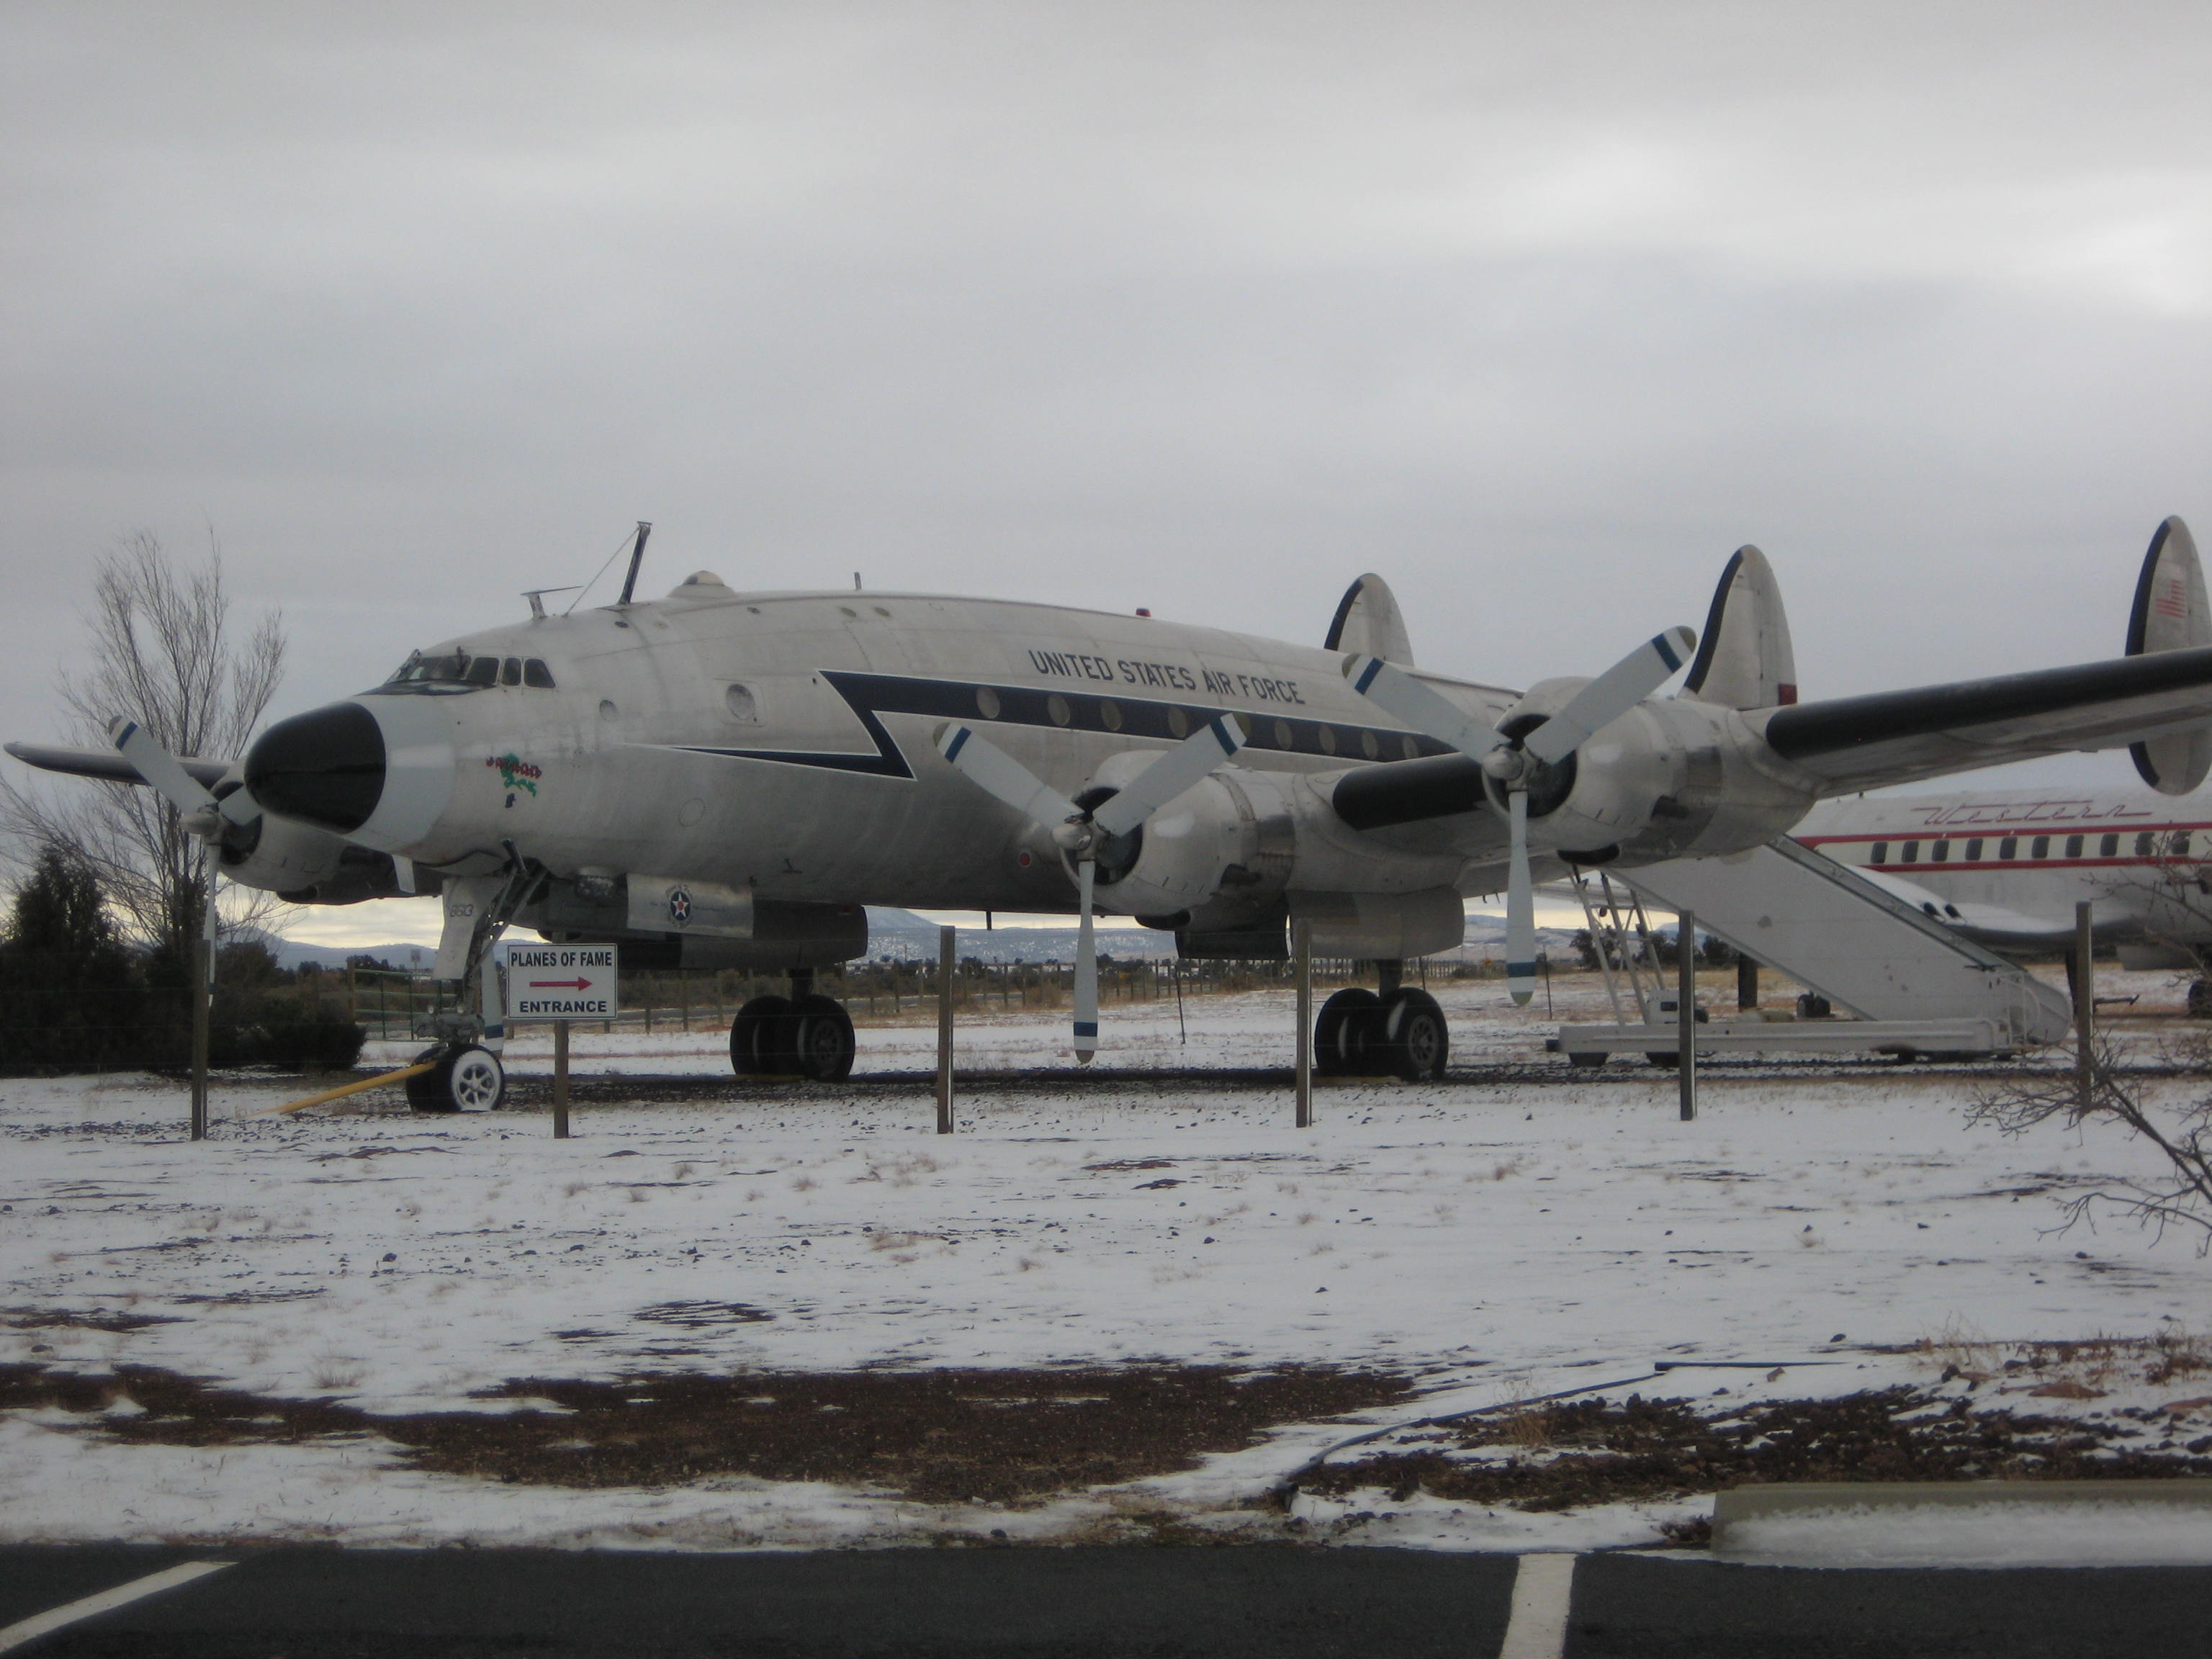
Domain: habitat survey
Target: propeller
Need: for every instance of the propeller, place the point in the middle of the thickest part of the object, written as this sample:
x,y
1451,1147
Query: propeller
x,y
198,812
1515,759
1085,832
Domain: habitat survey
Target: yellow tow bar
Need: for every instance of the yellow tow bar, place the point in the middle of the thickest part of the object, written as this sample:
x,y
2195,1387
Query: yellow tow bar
x,y
345,1089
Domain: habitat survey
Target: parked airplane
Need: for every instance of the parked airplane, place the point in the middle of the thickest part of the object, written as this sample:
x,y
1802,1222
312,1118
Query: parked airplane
x,y
721,777
2007,867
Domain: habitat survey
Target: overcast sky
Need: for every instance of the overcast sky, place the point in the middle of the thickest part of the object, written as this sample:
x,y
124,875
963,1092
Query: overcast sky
x,y
1538,310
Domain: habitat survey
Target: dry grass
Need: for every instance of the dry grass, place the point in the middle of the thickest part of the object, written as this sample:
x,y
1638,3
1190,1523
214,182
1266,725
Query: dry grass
x,y
938,1435
2099,1362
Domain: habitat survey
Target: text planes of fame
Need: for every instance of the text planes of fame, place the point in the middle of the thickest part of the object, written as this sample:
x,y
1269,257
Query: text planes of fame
x,y
721,778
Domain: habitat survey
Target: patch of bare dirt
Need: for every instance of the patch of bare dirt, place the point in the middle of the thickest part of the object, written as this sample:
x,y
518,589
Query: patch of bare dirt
x,y
1599,1451
945,1437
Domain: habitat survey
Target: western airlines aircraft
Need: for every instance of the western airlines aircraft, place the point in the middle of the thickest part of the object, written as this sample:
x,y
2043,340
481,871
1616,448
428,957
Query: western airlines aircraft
x,y
721,777
2007,868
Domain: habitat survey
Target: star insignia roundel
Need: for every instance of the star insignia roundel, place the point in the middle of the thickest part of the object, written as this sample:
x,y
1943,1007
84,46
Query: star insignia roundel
x,y
679,905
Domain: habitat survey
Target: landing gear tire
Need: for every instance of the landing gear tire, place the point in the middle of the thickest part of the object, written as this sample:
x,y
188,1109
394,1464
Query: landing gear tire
x,y
1407,1037
761,1038
1588,1057
1340,1032
463,1078
821,1039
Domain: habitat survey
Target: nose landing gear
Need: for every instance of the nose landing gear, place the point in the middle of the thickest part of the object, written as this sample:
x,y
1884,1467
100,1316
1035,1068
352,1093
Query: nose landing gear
x,y
464,1076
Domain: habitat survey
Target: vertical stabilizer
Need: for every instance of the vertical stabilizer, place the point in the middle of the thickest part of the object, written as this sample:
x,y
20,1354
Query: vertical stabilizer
x,y
1744,660
1368,622
2169,615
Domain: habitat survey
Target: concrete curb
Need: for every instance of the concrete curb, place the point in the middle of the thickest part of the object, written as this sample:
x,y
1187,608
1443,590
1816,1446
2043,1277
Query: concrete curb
x,y
1743,1504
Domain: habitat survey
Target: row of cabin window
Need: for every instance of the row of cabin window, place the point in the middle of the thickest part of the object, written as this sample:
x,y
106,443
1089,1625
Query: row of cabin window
x,y
476,671
2108,847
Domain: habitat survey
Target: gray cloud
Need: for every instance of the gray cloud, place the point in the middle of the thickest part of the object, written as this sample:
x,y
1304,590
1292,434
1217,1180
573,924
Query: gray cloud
x,y
1207,309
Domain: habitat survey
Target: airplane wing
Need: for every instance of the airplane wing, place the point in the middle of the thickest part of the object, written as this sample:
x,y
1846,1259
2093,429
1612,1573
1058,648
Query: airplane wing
x,y
106,764
1985,924
1851,744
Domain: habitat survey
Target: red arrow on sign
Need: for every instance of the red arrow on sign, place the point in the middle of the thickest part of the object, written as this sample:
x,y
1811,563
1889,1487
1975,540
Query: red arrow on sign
x,y
559,985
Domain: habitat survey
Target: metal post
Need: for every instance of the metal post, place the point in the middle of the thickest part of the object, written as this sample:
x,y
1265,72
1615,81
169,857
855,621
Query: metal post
x,y
560,1079
1746,984
1301,936
203,982
2085,1007
945,1030
1685,1012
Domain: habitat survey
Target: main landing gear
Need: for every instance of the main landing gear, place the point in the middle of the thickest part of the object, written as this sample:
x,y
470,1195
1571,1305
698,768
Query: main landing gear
x,y
804,1035
1397,1032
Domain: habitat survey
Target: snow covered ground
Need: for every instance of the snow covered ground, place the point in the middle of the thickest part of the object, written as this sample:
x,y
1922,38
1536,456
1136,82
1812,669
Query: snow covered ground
x,y
1496,1240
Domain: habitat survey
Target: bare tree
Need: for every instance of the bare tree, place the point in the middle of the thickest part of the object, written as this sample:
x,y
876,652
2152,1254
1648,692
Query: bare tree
x,y
159,649
2181,1134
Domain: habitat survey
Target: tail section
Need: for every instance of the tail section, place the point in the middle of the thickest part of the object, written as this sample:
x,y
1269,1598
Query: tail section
x,y
1369,622
1745,660
2170,615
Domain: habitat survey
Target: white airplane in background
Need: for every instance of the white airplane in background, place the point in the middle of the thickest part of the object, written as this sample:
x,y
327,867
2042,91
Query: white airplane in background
x,y
2006,867
725,778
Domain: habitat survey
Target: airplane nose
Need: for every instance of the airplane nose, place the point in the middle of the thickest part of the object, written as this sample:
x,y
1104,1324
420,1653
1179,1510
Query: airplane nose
x,y
326,766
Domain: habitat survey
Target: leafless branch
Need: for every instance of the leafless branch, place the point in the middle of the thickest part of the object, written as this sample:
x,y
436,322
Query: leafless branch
x,y
159,649
2182,1136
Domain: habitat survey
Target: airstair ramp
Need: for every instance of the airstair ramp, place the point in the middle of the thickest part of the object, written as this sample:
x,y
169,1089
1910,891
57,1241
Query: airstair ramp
x,y
1863,949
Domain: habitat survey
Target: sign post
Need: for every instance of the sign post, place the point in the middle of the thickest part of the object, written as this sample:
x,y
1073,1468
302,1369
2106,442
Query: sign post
x,y
1302,955
945,966
560,983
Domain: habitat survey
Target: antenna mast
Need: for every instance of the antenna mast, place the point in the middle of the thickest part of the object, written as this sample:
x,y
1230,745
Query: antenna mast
x,y
636,558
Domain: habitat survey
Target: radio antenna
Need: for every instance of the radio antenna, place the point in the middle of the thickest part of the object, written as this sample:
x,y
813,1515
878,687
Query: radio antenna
x,y
636,558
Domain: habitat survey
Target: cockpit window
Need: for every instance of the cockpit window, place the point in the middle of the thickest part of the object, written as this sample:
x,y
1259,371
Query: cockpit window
x,y
419,670
459,671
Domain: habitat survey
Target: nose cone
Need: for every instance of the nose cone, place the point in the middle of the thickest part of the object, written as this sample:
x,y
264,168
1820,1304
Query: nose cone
x,y
326,766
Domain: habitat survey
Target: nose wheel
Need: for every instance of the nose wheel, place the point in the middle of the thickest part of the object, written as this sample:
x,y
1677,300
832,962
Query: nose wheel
x,y
463,1077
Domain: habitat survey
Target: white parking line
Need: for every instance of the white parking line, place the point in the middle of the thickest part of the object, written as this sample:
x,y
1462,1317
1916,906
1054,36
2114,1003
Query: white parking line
x,y
1543,1585
30,1630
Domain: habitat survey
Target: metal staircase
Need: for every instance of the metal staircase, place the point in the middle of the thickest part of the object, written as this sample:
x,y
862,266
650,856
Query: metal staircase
x,y
1916,987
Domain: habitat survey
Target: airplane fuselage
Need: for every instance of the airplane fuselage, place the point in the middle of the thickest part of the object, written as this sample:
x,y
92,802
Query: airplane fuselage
x,y
2009,866
781,744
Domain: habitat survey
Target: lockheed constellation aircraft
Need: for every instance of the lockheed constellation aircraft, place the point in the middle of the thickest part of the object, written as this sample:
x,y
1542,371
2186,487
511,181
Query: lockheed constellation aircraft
x,y
726,778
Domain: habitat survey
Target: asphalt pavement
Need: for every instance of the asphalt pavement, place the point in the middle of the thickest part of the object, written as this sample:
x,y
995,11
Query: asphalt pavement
x,y
1160,1603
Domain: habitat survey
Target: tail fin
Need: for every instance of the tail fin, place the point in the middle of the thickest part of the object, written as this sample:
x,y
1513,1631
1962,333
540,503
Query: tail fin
x,y
1368,622
2169,615
1744,660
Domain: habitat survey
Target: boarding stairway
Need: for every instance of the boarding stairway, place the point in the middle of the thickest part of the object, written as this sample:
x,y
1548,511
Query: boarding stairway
x,y
1916,988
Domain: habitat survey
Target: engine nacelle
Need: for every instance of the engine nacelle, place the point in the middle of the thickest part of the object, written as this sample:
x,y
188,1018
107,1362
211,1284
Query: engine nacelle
x,y
303,865
1217,856
1670,779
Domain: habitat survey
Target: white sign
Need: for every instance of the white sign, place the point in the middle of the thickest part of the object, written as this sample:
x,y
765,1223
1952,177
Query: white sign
x,y
561,981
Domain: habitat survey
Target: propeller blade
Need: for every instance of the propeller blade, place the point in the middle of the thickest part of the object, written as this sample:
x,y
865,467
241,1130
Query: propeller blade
x,y
997,773
239,808
1086,970
159,768
1612,694
1181,768
1519,906
1421,707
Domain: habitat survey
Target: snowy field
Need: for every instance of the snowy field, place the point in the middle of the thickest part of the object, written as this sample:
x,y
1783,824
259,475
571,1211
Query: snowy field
x,y
1493,1238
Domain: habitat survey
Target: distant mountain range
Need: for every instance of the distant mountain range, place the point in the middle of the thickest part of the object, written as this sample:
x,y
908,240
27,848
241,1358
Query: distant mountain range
x,y
902,936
